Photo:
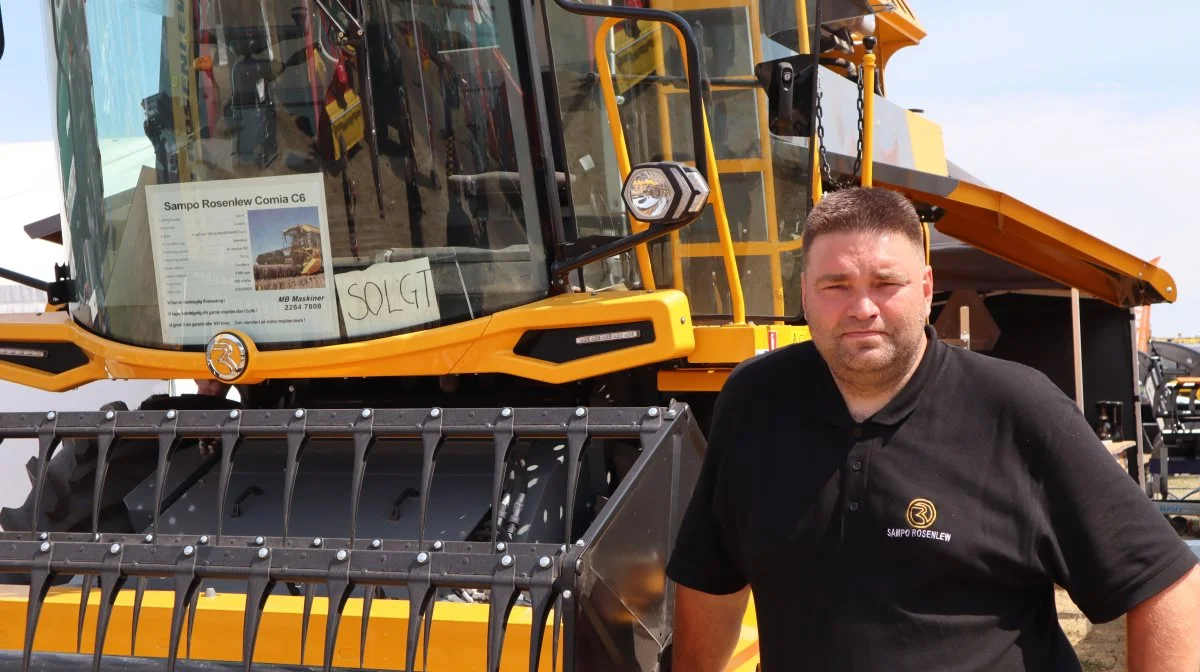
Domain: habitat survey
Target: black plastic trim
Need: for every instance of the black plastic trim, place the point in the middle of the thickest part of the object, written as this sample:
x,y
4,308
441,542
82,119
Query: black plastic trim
x,y
559,345
56,358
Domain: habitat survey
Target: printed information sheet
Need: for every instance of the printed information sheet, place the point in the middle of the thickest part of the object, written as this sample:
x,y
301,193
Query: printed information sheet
x,y
250,254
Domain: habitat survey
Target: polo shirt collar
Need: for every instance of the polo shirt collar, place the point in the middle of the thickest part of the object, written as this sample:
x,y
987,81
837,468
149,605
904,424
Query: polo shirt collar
x,y
832,409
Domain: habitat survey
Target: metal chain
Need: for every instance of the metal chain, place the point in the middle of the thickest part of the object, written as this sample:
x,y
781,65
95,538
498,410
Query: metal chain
x,y
826,173
859,156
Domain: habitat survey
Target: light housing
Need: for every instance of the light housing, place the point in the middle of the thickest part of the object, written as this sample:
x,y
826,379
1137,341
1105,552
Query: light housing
x,y
665,193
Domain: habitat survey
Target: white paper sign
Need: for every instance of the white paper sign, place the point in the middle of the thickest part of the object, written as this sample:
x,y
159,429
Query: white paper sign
x,y
388,297
251,254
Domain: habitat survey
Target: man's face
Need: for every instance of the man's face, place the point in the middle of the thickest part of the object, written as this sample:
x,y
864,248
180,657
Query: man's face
x,y
867,299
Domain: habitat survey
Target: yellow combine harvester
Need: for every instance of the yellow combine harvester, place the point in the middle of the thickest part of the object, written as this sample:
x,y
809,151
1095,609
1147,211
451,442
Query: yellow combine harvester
x,y
465,443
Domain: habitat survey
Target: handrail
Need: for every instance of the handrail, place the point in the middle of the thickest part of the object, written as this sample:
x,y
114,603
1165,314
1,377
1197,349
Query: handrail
x,y
714,179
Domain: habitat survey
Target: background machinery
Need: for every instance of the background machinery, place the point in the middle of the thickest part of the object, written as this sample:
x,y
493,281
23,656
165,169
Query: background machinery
x,y
547,231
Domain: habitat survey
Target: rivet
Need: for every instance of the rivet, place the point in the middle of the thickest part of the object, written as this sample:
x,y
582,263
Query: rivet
x,y
437,545
45,546
43,536
500,546
506,560
683,320
259,541
366,413
188,551
672,413
376,543
96,536
204,539
562,549
579,412
506,412
149,538
170,415
50,415
342,555
1170,288
652,412
114,549
317,542
210,592
580,543
299,413
566,594
422,557
233,413
262,552
543,562
578,564
109,415
435,412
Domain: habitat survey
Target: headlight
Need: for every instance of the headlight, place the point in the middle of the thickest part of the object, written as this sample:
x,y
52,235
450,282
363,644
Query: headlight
x,y
665,193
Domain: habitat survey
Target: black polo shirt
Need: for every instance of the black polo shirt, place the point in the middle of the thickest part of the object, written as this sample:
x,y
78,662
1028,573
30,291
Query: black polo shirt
x,y
928,537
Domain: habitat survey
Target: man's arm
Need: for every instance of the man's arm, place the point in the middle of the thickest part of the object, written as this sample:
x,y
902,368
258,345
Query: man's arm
x,y
1163,633
706,628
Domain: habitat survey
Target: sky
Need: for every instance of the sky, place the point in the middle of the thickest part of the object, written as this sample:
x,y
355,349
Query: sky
x,y
1076,109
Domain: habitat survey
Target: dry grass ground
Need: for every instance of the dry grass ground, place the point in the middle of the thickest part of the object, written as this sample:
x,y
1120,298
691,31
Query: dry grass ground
x,y
1101,648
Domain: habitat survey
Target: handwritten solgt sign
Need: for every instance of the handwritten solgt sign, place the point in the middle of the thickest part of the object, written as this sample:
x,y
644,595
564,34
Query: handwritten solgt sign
x,y
387,297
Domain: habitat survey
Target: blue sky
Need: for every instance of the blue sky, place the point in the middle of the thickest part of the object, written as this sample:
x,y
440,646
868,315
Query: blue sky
x,y
1087,111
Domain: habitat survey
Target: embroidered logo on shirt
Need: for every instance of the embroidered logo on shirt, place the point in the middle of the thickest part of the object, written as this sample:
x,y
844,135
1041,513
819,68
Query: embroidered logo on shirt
x,y
920,516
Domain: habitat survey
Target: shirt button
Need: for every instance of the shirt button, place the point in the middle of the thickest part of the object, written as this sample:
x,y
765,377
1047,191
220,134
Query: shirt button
x,y
856,464
857,431
854,506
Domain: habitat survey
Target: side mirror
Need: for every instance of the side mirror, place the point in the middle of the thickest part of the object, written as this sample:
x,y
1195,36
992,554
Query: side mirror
x,y
1,35
789,86
665,193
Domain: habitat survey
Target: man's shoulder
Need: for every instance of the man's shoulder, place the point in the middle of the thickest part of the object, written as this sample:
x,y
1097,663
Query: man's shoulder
x,y
1002,383
766,371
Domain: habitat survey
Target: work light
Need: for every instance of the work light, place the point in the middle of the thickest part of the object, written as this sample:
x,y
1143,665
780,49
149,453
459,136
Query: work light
x,y
665,192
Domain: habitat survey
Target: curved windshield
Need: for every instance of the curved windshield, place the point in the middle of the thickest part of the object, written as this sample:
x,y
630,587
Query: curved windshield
x,y
306,171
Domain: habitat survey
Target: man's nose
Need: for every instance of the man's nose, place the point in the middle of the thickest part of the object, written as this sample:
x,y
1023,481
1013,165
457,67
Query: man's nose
x,y
862,307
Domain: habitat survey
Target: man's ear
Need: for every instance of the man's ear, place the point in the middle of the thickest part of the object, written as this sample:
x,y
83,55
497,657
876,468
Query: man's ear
x,y
803,290
927,288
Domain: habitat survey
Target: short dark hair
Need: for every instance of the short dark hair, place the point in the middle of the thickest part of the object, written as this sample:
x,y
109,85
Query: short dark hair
x,y
864,209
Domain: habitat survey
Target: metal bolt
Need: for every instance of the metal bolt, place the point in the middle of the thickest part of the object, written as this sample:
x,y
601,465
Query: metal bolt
x,y
506,560
579,412
262,552
259,541
578,564
96,536
580,543
149,538
422,557
45,546
109,415
204,539
188,551
114,549
299,413
50,415
233,413
506,413
543,562
170,415
566,594
376,543
43,536
437,545
683,320
562,549
366,413
317,542
342,555
500,546
672,413
435,412
210,592
652,412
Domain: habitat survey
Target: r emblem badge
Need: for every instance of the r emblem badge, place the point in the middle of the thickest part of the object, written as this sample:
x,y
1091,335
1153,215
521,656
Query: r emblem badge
x,y
226,356
921,513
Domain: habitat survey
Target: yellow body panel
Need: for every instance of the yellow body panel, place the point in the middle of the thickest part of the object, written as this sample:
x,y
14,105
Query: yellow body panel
x,y
733,343
478,346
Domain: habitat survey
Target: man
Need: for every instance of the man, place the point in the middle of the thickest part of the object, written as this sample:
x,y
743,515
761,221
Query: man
x,y
895,503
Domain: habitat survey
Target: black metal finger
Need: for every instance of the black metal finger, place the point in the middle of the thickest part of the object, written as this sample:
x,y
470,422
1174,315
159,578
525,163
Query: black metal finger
x,y
231,440
104,442
310,592
504,595
168,443
297,439
111,581
339,588
541,596
186,585
138,594
193,604
568,625
48,441
85,594
420,592
577,440
39,585
258,587
364,440
504,439
368,600
431,441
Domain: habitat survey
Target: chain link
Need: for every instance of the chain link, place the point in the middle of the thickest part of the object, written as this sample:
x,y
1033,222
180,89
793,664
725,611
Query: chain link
x,y
826,173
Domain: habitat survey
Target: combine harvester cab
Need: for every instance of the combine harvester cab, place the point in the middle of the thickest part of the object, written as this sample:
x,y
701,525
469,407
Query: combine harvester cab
x,y
477,272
